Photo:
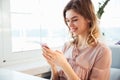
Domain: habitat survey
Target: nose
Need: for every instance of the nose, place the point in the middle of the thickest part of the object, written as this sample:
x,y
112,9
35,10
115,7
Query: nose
x,y
70,24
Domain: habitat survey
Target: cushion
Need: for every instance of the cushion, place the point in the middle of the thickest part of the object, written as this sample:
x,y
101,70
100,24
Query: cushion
x,y
115,74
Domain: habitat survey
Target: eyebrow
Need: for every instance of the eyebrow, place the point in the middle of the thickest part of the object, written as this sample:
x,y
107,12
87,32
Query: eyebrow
x,y
73,17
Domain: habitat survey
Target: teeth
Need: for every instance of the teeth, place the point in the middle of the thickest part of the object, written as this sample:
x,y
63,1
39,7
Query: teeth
x,y
73,30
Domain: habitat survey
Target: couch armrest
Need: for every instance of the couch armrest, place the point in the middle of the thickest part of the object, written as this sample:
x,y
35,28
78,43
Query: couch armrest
x,y
115,74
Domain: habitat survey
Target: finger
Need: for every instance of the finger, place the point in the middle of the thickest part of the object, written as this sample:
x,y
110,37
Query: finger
x,y
47,50
43,51
58,51
47,53
44,45
45,56
48,58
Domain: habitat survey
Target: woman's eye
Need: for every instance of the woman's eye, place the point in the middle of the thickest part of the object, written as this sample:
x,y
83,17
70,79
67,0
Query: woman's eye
x,y
75,20
71,20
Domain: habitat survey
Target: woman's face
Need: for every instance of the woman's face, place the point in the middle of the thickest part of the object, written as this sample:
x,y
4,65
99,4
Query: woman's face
x,y
77,24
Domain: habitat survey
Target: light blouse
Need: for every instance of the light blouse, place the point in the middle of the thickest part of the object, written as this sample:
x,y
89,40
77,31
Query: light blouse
x,y
89,63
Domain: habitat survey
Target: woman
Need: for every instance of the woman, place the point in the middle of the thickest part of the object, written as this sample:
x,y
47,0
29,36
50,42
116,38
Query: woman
x,y
84,58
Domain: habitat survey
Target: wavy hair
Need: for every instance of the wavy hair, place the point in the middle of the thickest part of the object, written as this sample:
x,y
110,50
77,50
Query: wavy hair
x,y
86,9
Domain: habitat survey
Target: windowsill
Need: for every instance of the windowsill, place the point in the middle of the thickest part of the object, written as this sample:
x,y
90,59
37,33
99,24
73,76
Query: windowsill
x,y
33,68
37,70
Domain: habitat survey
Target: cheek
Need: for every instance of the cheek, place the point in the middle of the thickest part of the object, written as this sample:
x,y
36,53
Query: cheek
x,y
83,28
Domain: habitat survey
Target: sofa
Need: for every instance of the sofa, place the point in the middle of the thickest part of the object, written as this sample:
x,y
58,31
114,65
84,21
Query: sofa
x,y
115,67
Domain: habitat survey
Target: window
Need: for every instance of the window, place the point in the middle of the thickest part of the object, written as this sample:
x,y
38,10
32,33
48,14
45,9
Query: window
x,y
27,23
36,21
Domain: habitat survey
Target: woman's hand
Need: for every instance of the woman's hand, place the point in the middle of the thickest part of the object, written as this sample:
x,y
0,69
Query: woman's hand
x,y
54,57
57,58
47,57
46,52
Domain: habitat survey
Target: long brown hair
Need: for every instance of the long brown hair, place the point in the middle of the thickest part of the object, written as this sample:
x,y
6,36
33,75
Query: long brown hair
x,y
86,9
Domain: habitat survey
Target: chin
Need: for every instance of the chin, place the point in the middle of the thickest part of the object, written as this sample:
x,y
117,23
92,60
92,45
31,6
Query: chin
x,y
75,34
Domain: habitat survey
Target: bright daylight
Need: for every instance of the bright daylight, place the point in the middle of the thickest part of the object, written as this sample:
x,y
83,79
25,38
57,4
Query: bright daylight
x,y
59,40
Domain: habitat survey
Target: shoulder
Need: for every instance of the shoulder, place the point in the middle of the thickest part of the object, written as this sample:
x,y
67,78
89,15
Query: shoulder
x,y
104,50
103,47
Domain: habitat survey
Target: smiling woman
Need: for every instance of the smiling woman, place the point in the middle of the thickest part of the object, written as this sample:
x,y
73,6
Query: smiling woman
x,y
26,23
84,55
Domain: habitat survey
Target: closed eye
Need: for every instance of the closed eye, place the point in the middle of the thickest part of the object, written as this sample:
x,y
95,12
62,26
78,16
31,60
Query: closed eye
x,y
75,20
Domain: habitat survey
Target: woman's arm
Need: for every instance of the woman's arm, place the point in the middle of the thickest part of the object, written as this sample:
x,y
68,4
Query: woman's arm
x,y
69,72
54,73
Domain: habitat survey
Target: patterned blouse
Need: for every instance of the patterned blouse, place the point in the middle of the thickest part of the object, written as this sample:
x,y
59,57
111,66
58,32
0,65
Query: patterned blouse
x,y
89,63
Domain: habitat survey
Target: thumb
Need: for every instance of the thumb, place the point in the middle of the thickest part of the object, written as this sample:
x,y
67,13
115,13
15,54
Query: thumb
x,y
59,51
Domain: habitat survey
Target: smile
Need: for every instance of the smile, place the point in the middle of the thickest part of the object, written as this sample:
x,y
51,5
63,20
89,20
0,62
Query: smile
x,y
73,29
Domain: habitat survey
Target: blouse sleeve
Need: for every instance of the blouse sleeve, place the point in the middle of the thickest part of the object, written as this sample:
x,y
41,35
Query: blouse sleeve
x,y
101,67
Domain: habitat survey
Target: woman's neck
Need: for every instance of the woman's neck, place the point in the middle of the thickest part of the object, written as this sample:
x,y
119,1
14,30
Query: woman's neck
x,y
82,41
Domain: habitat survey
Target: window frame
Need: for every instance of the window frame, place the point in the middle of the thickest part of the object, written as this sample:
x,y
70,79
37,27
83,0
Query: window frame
x,y
7,57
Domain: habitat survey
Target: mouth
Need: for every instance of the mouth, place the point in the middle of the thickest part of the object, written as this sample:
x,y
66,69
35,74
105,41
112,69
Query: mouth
x,y
73,29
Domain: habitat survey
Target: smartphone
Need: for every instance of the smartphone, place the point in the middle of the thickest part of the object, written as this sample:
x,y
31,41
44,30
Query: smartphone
x,y
44,45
